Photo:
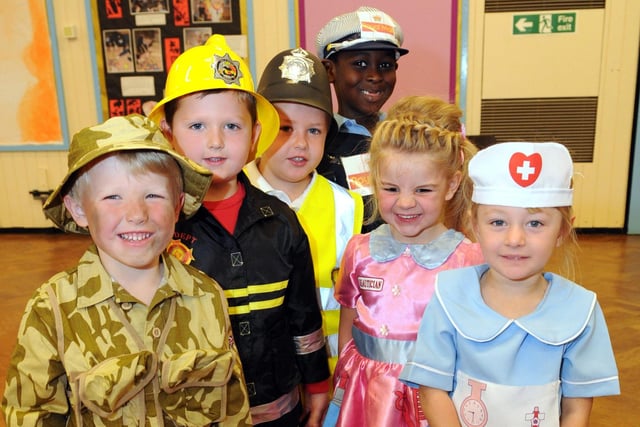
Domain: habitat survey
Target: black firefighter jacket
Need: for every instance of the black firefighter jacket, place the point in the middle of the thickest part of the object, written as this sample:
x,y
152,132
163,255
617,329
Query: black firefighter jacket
x,y
266,271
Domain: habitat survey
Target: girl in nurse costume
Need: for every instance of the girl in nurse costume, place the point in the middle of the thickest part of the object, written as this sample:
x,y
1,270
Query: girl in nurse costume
x,y
506,343
418,165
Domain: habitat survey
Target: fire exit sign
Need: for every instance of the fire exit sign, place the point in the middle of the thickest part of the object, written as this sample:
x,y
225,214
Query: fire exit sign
x,y
541,23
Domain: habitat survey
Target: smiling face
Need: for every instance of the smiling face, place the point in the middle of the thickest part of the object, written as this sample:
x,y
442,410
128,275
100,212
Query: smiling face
x,y
411,195
363,80
517,242
217,131
289,162
130,214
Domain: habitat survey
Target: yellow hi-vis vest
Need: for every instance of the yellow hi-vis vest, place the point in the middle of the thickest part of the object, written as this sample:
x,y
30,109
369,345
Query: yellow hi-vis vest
x,y
330,215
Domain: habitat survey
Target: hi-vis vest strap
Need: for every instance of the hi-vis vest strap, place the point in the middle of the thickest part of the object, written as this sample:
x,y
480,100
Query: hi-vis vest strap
x,y
318,220
320,215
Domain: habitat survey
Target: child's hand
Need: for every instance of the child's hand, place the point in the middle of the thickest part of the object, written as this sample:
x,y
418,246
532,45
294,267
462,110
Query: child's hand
x,y
316,405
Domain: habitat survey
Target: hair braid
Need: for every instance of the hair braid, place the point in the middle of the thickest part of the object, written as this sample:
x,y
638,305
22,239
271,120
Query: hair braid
x,y
421,124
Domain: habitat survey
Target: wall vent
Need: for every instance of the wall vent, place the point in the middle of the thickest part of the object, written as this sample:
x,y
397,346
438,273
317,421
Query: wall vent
x,y
540,5
569,121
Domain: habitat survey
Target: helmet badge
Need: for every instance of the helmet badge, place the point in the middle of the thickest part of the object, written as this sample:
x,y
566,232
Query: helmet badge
x,y
297,66
226,69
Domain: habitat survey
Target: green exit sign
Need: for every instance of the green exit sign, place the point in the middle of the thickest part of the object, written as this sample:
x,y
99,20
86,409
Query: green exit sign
x,y
542,23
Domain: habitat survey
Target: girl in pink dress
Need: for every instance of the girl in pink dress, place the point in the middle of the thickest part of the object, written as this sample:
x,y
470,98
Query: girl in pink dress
x,y
418,165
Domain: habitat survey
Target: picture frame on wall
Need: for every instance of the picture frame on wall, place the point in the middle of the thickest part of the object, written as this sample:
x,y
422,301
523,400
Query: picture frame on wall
x,y
148,50
118,52
148,6
195,36
211,11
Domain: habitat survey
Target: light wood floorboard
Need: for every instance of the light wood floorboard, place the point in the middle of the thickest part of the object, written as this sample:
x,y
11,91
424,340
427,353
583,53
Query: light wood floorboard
x,y
610,265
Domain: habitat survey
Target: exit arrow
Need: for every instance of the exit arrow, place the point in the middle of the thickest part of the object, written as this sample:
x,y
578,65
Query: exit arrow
x,y
522,25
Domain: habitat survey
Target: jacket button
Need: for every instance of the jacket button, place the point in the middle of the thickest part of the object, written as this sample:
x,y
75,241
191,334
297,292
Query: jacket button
x,y
245,328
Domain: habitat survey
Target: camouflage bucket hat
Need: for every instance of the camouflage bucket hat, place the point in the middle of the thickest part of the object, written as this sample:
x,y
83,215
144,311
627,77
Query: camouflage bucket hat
x,y
127,133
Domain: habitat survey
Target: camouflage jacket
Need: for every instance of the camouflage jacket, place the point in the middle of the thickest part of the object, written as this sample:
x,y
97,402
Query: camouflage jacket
x,y
88,353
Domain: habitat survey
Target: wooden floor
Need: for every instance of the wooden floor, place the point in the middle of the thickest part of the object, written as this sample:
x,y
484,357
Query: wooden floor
x,y
610,265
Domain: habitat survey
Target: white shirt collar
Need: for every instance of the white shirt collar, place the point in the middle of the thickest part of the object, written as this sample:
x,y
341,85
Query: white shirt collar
x,y
258,180
351,126
571,305
384,247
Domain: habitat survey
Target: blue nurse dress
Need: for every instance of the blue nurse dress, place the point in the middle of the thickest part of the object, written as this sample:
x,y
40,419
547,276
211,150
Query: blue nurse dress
x,y
502,371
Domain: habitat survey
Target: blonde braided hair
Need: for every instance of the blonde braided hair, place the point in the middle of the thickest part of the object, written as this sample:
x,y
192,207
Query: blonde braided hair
x,y
422,124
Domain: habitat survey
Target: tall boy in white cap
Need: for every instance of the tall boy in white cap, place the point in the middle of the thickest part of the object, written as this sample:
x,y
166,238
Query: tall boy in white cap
x,y
119,339
507,343
360,51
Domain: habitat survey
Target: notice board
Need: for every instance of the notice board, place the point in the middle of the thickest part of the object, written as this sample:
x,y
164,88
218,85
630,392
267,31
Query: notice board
x,y
138,40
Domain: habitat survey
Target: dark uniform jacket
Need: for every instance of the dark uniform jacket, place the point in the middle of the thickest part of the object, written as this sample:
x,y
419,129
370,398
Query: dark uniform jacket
x,y
266,271
345,144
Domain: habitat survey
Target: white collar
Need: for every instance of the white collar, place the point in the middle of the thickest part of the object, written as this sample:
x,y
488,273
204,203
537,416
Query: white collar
x,y
384,247
258,180
560,317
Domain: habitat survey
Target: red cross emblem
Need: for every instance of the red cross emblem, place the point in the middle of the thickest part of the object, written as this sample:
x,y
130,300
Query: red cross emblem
x,y
525,169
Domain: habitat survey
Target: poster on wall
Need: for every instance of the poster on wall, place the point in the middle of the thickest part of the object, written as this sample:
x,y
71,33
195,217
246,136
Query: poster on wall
x,y
140,39
32,107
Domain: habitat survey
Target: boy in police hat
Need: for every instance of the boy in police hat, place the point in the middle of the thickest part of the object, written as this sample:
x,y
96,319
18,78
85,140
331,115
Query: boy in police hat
x,y
360,51
507,342
296,83
118,339
250,242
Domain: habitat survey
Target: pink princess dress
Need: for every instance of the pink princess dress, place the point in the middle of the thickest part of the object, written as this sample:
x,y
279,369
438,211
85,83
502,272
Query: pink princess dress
x,y
389,284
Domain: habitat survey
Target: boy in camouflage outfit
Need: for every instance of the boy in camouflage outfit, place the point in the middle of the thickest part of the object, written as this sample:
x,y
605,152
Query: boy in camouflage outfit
x,y
119,339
